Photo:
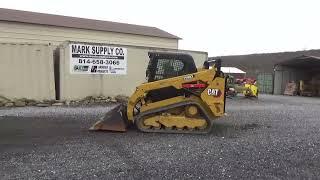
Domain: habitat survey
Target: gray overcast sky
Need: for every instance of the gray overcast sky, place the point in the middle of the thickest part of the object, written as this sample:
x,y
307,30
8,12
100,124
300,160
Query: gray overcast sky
x,y
220,27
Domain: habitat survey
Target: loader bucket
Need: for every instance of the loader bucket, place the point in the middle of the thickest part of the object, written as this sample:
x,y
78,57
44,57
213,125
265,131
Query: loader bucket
x,y
114,120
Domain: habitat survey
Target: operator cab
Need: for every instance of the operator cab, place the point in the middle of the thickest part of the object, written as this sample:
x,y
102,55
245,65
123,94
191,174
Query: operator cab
x,y
167,65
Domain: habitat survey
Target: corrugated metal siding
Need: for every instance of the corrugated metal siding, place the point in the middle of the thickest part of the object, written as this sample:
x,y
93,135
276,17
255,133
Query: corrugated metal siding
x,y
265,83
74,86
39,34
26,71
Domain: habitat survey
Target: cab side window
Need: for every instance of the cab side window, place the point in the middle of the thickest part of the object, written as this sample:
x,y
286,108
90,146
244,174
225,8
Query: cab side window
x,y
167,68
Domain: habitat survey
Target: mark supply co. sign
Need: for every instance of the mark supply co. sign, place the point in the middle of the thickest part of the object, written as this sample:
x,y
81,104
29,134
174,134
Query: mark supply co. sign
x,y
97,59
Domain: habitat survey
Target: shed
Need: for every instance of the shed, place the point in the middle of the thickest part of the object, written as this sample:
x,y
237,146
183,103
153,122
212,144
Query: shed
x,y
261,66
302,68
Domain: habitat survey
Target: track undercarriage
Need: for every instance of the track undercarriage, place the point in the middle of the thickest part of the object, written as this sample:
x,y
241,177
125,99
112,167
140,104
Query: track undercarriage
x,y
184,117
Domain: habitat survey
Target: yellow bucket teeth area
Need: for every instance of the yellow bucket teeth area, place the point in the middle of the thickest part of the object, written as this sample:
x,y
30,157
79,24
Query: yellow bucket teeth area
x,y
114,120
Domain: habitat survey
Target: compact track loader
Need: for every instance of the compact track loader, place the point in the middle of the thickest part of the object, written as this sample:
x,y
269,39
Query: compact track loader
x,y
178,97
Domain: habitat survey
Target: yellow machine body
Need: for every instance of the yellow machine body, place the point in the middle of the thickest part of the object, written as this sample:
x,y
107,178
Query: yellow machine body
x,y
250,90
189,112
216,104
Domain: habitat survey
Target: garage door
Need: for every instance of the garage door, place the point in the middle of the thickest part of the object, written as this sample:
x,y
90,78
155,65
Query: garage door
x,y
265,83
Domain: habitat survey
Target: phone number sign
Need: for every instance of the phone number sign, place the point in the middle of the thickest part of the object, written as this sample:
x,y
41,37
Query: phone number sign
x,y
97,59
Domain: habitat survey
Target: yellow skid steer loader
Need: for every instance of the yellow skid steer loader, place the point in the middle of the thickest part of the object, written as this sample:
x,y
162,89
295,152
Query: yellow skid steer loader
x,y
178,97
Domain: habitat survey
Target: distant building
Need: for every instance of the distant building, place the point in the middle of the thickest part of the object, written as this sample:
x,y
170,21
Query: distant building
x,y
233,71
262,67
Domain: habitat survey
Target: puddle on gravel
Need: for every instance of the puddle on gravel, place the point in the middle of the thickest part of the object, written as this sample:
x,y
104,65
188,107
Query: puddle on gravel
x,y
231,130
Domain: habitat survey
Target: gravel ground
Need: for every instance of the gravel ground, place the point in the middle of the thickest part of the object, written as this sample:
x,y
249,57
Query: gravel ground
x,y
275,137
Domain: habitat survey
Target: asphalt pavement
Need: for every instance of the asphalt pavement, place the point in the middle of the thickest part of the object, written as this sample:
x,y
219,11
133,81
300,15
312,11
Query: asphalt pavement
x,y
274,137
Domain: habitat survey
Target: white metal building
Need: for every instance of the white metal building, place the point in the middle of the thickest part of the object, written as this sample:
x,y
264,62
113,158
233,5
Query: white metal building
x,y
29,27
35,55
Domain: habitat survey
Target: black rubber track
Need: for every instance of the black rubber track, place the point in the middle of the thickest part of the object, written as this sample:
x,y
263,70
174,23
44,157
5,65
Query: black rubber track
x,y
139,118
